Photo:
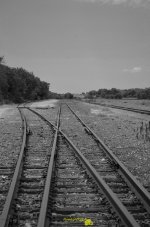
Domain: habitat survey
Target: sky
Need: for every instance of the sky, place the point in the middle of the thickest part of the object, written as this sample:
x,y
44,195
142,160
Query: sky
x,y
78,45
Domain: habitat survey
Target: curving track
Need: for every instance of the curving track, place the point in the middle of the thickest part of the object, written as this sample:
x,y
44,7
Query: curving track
x,y
25,194
55,184
10,143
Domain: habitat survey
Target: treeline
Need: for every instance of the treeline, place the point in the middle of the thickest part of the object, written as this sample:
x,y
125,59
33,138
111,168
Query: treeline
x,y
114,93
18,85
67,95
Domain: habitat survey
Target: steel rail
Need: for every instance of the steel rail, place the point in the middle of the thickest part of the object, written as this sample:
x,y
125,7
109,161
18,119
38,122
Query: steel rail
x,y
5,217
118,207
43,118
123,108
43,221
138,189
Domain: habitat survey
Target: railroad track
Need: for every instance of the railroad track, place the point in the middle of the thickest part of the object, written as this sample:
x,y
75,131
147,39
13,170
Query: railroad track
x,y
54,184
10,139
105,210
123,108
130,192
25,194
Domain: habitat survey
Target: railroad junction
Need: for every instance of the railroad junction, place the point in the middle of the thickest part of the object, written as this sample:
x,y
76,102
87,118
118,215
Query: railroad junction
x,y
60,167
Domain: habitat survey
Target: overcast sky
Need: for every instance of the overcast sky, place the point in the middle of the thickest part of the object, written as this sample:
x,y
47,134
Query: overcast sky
x,y
78,45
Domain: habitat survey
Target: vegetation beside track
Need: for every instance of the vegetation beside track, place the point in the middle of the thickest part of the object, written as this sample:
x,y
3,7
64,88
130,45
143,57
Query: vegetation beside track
x,y
18,85
113,93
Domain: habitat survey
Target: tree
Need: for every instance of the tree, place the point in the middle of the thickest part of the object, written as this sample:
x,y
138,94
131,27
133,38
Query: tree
x,y
18,85
2,61
68,96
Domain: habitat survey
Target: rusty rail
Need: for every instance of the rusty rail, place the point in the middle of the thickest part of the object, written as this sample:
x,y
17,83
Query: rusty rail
x,y
4,218
43,221
118,207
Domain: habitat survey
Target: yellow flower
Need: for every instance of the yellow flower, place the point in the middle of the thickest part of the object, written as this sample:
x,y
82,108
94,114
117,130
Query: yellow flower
x,y
88,222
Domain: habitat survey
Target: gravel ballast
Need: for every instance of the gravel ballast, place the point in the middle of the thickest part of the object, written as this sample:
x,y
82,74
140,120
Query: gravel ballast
x,y
10,145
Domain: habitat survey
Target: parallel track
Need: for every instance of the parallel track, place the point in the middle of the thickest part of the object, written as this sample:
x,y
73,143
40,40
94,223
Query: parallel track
x,y
123,108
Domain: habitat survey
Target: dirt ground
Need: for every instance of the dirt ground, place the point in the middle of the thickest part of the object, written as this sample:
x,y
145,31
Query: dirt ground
x,y
45,104
5,108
